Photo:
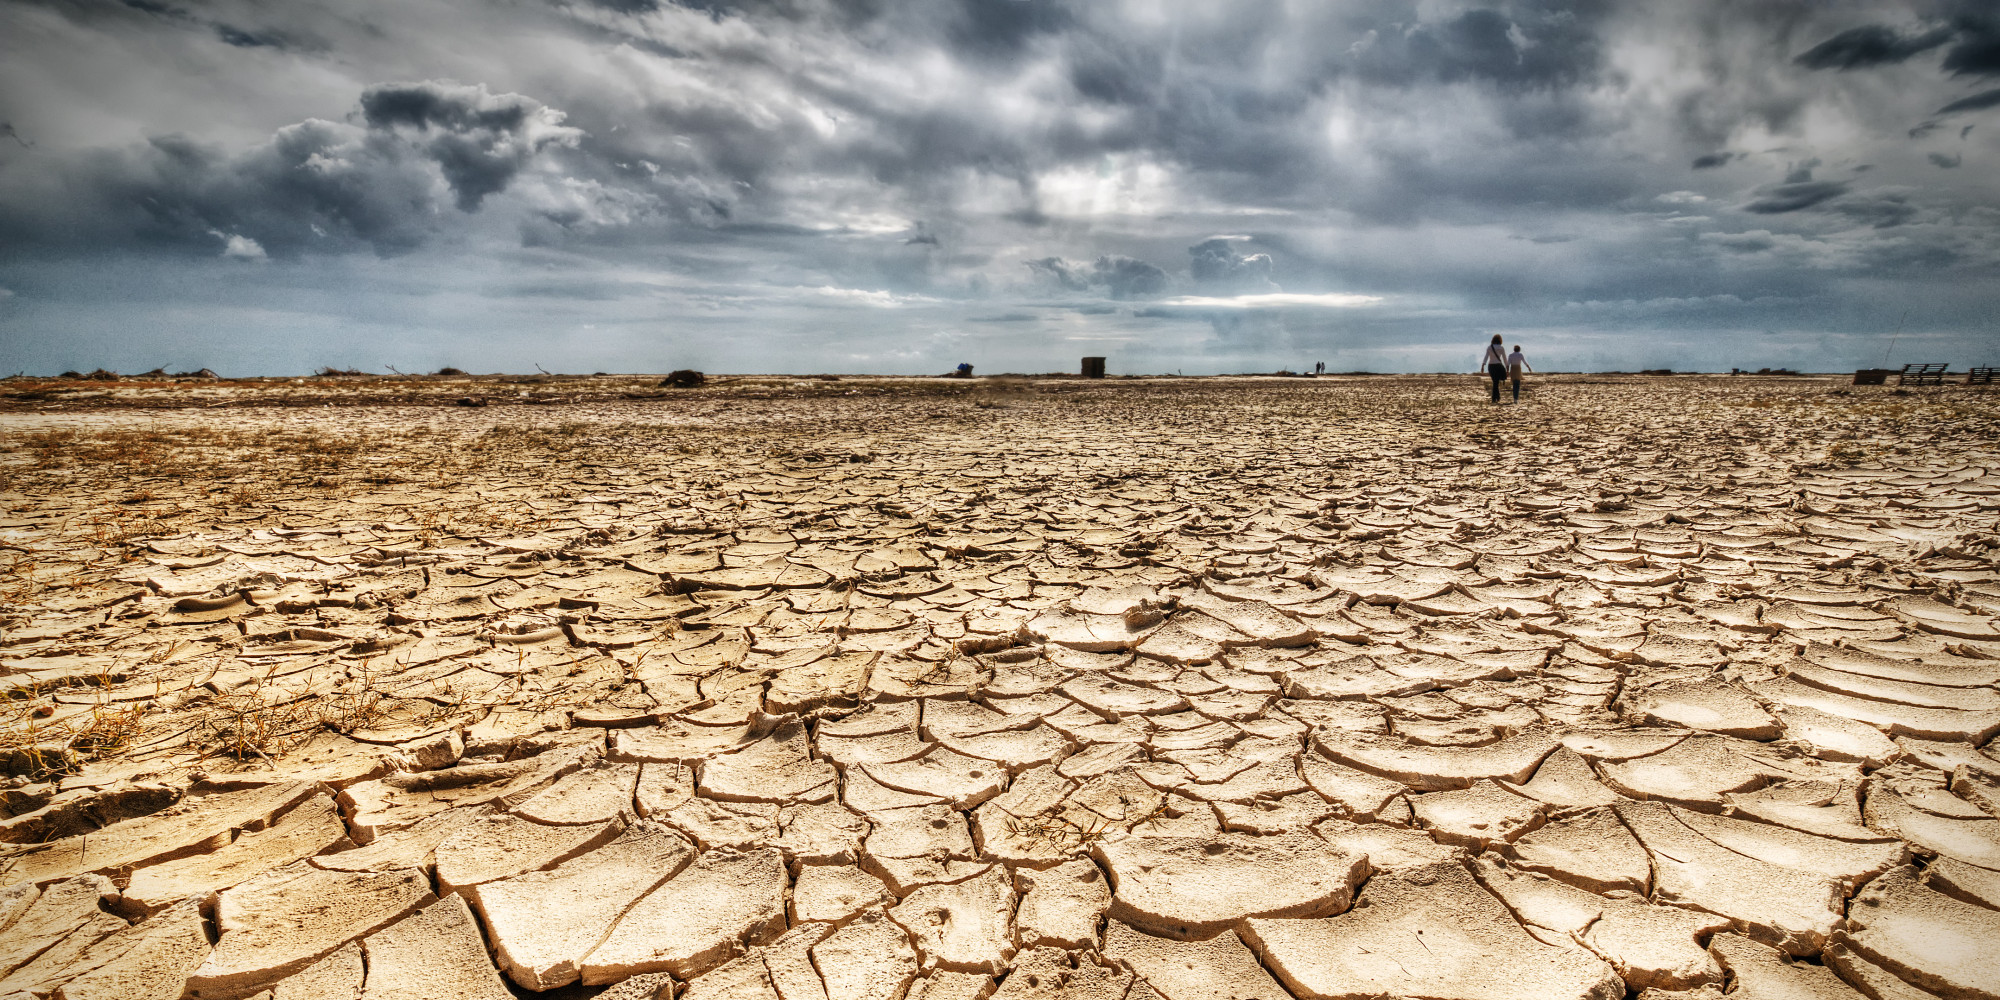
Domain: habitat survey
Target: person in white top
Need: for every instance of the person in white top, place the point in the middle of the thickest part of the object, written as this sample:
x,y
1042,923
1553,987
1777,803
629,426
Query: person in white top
x,y
1516,364
1495,363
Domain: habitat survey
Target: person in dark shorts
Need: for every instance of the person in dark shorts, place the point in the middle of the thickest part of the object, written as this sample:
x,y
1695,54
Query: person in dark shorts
x,y
1495,362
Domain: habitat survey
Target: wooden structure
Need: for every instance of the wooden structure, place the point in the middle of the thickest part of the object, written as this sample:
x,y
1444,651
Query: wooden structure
x,y
1093,368
1873,376
1924,374
1981,376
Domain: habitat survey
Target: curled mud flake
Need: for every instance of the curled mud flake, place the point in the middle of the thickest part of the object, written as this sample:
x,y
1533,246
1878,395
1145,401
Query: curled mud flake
x,y
806,619
1063,906
1219,966
693,921
281,922
1926,938
832,893
1426,931
437,950
310,829
1711,706
543,923
1187,887
1651,947
1787,908
965,926
501,846
868,959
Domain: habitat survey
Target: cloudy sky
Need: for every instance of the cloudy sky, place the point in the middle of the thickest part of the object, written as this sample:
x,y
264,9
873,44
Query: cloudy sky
x,y
264,187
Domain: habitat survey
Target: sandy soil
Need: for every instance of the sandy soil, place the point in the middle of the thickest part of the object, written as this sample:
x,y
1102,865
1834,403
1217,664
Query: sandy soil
x,y
872,688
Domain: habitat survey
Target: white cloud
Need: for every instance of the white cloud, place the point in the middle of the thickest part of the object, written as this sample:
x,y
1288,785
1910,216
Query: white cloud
x,y
238,247
1276,300
864,298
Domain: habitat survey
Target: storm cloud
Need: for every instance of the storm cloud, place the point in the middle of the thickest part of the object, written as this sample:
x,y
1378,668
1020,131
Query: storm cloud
x,y
318,185
1121,277
892,184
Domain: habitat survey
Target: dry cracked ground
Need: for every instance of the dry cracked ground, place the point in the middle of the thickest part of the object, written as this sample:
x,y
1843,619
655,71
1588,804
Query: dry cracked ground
x,y
866,689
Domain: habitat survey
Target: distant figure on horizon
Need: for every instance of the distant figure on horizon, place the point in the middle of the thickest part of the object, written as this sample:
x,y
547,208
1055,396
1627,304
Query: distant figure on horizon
x,y
1516,364
1319,368
1495,363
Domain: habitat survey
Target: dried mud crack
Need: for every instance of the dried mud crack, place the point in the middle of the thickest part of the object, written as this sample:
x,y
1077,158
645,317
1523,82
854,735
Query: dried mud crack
x,y
872,689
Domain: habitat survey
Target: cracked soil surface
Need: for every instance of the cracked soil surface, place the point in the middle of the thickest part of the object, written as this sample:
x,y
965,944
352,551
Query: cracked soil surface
x,y
865,689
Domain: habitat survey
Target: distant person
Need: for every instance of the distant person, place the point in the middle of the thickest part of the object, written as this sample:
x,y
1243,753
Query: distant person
x,y
1516,364
1319,368
1496,364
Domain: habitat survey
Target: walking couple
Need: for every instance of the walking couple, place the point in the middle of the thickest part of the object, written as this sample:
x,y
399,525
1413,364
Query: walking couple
x,y
1502,366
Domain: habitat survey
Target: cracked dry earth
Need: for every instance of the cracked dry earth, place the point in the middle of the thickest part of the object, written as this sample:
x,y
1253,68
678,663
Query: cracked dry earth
x,y
1181,689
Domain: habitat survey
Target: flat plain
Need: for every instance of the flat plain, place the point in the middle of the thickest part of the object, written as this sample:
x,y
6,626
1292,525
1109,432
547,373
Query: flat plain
x,y
864,688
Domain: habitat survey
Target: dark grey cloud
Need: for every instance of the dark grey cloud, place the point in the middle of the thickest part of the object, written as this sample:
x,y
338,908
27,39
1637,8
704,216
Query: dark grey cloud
x,y
1214,263
1781,198
1970,27
1871,45
1881,209
1513,44
1945,161
315,186
1978,50
1977,102
724,174
1798,192
480,141
1120,276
